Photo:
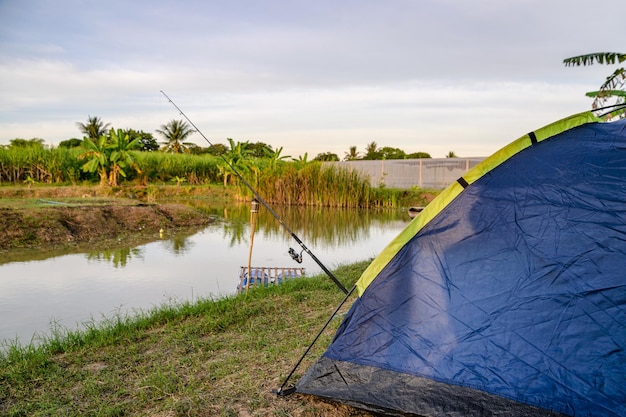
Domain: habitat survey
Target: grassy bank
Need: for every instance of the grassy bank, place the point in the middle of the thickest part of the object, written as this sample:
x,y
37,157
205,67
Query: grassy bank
x,y
203,358
377,197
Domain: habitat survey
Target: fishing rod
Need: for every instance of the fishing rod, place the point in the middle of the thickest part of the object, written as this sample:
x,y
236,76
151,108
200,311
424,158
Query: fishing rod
x,y
615,109
267,206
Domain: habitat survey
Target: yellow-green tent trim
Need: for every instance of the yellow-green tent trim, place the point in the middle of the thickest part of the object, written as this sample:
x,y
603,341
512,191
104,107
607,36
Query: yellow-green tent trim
x,y
450,193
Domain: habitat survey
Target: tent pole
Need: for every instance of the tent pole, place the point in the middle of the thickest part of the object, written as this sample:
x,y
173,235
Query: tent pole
x,y
284,392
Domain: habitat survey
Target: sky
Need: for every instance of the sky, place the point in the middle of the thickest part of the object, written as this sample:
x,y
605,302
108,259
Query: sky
x,y
433,76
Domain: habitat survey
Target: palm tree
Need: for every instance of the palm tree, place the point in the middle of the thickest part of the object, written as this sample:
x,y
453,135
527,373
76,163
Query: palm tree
x,y
94,128
352,154
372,151
175,132
613,86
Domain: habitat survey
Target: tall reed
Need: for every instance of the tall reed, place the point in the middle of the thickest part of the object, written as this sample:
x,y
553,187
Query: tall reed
x,y
164,167
310,184
33,163
62,165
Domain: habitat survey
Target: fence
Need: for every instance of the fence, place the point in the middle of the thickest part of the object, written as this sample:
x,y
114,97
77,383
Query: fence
x,y
407,173
267,275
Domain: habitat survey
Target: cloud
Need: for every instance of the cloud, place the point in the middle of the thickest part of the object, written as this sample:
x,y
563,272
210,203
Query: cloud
x,y
313,77
429,116
472,120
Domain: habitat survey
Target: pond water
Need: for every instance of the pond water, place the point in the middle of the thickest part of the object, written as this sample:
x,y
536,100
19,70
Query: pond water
x,y
68,290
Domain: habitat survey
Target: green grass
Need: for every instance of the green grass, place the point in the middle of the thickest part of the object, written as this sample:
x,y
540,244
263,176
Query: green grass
x,y
26,203
204,358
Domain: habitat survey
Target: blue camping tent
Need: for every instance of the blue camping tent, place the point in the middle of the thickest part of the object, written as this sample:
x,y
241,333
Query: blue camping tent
x,y
506,296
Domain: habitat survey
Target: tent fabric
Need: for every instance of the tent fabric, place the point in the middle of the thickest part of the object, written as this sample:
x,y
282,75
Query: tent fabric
x,y
393,393
507,298
454,189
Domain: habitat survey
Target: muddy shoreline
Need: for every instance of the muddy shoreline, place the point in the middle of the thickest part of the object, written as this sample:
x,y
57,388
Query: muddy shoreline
x,y
45,227
50,217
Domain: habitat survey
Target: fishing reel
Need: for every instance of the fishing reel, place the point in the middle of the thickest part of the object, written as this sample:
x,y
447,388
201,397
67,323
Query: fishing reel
x,y
295,256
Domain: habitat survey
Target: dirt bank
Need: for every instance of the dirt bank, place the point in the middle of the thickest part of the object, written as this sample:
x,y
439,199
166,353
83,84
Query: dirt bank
x,y
66,224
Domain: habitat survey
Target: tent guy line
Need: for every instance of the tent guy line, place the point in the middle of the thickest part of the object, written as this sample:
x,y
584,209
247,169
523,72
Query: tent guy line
x,y
284,392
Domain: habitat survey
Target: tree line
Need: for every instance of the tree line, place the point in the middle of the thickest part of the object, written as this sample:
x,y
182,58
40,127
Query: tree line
x,y
113,155
176,132
108,156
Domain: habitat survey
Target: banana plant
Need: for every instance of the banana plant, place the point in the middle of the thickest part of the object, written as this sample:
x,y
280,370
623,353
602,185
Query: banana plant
x,y
301,161
275,157
235,158
121,157
97,152
110,155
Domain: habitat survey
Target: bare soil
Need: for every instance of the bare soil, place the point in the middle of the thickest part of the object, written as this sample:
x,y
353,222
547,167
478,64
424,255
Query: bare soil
x,y
70,216
63,225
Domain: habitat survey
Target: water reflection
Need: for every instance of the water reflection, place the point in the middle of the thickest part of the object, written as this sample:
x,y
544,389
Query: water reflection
x,y
315,225
179,244
71,288
118,257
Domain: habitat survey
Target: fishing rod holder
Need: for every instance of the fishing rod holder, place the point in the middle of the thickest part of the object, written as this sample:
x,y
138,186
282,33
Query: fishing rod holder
x,y
254,206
